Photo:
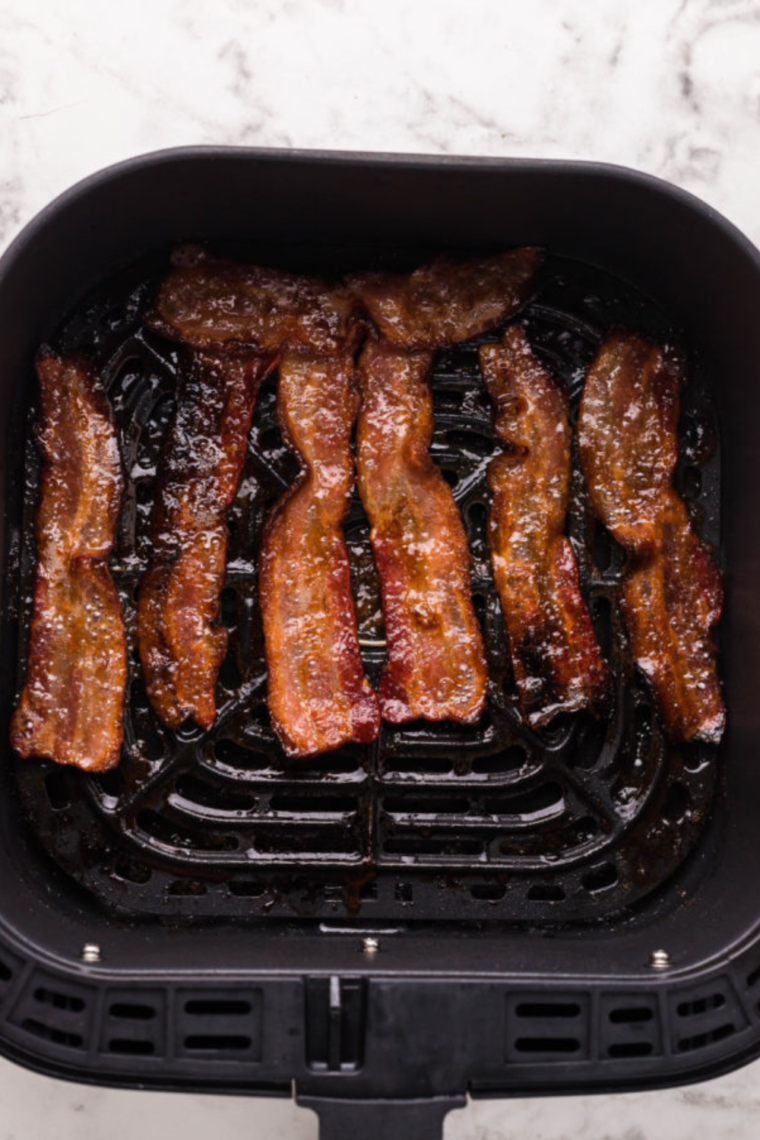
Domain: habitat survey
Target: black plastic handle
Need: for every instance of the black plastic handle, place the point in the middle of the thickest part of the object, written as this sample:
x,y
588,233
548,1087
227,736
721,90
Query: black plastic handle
x,y
341,1119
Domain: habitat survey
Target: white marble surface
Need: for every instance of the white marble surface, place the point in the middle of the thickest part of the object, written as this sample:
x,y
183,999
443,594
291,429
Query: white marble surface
x,y
669,86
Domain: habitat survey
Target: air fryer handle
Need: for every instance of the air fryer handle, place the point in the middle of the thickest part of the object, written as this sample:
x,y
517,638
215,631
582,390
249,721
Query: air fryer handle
x,y
381,1119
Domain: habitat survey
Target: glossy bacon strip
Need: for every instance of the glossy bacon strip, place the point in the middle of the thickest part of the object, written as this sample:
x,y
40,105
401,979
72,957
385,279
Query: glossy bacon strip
x,y
447,301
208,302
181,645
71,707
557,663
436,665
672,594
319,698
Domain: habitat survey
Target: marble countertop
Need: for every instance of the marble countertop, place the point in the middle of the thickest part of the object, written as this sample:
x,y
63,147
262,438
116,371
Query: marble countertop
x,y
669,86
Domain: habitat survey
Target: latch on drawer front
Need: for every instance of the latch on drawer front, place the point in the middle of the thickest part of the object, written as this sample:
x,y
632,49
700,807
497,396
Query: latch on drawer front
x,y
335,1023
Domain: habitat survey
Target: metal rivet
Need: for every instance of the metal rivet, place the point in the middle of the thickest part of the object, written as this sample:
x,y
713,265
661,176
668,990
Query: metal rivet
x,y
91,952
370,945
659,960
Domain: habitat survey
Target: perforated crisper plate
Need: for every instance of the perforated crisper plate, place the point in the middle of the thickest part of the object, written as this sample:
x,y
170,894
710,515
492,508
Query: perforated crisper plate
x,y
496,821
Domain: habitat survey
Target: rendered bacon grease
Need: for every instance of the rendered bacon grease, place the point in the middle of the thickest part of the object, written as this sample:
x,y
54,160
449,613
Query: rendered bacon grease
x,y
672,594
557,664
436,666
71,706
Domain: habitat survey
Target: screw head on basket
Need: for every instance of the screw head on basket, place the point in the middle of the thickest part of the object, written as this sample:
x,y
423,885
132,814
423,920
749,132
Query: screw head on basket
x,y
370,945
659,960
91,953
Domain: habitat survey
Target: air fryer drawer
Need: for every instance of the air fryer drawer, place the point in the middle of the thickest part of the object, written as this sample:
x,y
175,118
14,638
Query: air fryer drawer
x,y
365,951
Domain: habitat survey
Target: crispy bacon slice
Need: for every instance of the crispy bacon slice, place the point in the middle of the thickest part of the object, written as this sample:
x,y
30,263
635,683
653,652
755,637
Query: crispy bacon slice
x,y
71,707
557,663
208,302
436,665
181,646
672,593
319,698
447,301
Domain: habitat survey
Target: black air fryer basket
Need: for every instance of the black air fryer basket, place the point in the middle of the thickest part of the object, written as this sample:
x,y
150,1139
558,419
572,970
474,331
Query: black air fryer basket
x,y
487,910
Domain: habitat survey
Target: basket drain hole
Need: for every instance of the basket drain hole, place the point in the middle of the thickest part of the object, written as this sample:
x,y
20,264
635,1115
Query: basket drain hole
x,y
601,878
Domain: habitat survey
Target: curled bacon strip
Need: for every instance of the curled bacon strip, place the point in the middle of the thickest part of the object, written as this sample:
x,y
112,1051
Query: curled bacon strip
x,y
208,302
556,660
671,594
319,698
447,301
436,665
71,707
181,646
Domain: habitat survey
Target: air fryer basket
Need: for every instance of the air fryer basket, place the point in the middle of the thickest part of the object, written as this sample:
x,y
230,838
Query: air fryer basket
x,y
449,910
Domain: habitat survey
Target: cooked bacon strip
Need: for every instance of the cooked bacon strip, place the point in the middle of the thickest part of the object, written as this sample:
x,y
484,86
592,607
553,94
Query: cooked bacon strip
x,y
436,665
207,302
672,594
181,646
557,663
448,301
319,698
71,707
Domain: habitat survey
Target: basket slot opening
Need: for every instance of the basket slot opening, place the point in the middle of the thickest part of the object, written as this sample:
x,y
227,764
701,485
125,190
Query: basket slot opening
x,y
700,1040
246,888
57,789
546,798
632,1015
131,1012
315,803
129,1047
491,892
676,803
444,846
418,805
534,1009
221,798
601,878
221,1041
51,1033
217,1007
701,1005
623,1049
59,1000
